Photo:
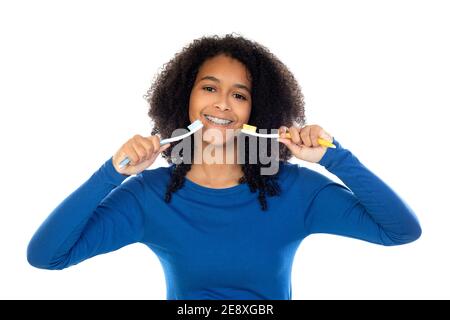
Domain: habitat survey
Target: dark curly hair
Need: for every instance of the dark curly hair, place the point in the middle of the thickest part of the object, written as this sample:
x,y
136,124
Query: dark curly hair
x,y
276,100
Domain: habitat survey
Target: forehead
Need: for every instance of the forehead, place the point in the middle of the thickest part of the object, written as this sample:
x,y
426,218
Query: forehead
x,y
226,69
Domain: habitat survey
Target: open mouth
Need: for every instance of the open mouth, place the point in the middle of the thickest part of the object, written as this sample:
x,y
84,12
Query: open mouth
x,y
218,121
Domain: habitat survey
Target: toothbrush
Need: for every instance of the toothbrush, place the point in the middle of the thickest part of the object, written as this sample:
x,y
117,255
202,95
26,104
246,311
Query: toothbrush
x,y
193,127
251,130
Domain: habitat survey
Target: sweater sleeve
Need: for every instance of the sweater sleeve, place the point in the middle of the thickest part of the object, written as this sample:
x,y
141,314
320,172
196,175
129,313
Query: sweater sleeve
x,y
366,208
102,215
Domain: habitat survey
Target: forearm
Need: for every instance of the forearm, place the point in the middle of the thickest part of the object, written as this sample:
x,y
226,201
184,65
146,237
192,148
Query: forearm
x,y
385,207
62,228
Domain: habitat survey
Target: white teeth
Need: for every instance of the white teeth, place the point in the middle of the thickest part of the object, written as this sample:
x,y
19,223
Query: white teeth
x,y
218,120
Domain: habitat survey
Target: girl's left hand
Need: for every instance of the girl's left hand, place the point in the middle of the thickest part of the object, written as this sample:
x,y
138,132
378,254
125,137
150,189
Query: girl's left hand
x,y
304,143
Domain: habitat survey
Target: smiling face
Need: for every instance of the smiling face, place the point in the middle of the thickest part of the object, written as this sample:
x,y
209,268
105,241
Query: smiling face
x,y
221,95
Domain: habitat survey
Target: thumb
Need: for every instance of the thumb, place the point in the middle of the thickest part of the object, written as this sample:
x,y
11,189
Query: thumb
x,y
164,147
294,148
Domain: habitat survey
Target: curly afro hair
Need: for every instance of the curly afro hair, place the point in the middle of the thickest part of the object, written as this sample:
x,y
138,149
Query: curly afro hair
x,y
276,100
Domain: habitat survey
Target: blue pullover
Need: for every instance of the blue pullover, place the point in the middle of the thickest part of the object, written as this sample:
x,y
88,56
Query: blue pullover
x,y
218,243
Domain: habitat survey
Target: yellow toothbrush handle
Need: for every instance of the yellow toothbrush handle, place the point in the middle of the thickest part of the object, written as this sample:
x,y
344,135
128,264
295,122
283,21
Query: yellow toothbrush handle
x,y
325,143
322,142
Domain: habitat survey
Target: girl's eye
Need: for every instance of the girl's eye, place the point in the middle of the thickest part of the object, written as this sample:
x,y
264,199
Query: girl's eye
x,y
240,97
237,95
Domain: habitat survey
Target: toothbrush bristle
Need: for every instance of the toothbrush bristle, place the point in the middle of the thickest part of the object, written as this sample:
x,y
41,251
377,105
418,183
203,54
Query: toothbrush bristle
x,y
197,124
249,128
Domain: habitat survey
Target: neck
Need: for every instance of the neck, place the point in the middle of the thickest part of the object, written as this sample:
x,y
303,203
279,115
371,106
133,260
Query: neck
x,y
218,167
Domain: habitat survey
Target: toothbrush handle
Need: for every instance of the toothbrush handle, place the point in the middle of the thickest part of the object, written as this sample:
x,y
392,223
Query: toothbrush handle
x,y
322,142
126,161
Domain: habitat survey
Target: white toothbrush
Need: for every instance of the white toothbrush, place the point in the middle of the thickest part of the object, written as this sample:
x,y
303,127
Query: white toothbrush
x,y
193,127
251,130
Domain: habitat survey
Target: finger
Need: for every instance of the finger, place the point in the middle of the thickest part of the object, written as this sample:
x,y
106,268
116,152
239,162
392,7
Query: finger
x,y
305,136
325,135
164,148
293,148
148,146
282,131
156,145
315,134
140,151
131,155
287,142
295,137
161,149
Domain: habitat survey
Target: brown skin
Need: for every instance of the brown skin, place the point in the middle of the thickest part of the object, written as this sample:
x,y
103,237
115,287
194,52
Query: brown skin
x,y
221,99
142,152
304,143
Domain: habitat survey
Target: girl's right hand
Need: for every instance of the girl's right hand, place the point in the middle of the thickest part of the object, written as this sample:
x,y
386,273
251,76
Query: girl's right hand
x,y
142,152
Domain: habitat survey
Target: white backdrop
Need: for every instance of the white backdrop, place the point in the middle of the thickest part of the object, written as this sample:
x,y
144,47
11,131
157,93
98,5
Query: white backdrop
x,y
375,74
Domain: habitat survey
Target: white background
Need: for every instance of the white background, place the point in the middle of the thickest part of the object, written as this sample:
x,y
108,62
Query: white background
x,y
375,74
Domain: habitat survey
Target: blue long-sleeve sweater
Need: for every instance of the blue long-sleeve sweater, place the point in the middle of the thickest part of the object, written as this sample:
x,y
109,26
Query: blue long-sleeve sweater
x,y
217,243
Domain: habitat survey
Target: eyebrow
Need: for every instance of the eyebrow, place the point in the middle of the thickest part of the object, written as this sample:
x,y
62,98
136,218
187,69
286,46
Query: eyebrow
x,y
236,85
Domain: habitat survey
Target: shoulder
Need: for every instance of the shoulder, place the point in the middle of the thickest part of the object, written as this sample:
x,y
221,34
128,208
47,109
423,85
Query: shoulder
x,y
155,178
159,172
305,176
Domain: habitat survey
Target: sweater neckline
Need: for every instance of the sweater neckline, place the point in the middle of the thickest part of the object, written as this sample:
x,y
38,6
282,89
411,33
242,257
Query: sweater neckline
x,y
197,187
223,191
